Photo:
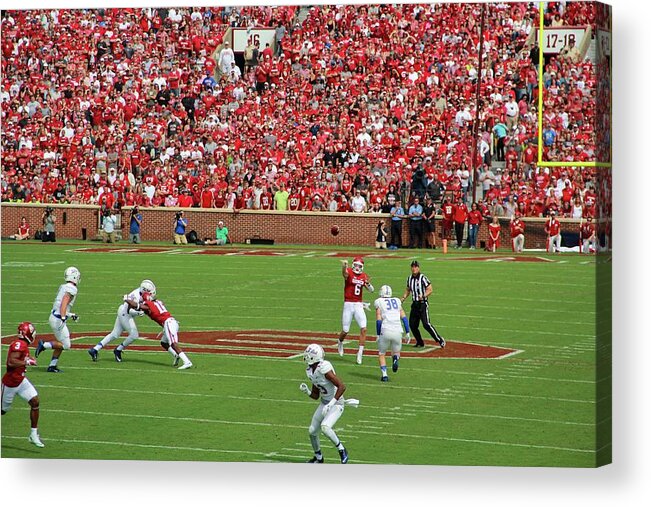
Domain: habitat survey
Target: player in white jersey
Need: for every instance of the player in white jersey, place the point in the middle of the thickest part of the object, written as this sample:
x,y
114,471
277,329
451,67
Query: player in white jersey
x,y
63,302
124,322
327,386
389,320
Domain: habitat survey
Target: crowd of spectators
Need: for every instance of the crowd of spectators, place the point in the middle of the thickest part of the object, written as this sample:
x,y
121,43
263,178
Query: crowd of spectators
x,y
358,106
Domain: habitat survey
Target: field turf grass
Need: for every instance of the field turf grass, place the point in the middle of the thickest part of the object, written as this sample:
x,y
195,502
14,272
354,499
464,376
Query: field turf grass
x,y
532,408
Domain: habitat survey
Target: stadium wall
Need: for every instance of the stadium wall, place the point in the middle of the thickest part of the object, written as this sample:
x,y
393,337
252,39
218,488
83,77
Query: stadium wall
x,y
284,227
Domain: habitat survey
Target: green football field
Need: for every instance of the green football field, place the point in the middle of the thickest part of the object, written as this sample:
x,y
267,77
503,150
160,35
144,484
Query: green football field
x,y
245,319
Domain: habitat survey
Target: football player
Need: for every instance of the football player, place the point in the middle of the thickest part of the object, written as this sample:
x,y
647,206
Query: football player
x,y
59,316
157,312
389,315
355,280
124,322
14,381
327,386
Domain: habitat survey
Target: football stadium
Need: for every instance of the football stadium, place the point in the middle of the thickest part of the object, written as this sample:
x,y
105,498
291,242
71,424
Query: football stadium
x,y
401,211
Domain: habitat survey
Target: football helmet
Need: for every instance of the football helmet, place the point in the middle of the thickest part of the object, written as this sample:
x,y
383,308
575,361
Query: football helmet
x,y
358,265
313,354
72,274
148,286
26,331
385,291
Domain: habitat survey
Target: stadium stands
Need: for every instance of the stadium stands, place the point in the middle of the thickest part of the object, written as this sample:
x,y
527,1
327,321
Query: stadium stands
x,y
124,106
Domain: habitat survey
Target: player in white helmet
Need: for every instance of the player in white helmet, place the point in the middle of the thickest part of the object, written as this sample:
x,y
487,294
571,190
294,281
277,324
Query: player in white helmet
x,y
124,322
390,318
327,386
59,316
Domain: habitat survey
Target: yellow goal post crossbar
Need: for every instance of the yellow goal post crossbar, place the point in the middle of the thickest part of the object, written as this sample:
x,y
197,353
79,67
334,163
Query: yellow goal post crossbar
x,y
541,63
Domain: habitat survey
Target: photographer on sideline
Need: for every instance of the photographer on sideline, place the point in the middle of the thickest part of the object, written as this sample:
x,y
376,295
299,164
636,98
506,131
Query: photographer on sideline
x,y
180,224
135,221
49,220
108,226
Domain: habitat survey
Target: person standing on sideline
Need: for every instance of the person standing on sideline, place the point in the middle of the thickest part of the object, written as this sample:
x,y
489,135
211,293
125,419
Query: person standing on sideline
x,y
14,381
135,221
447,210
388,317
124,322
380,235
355,280
397,216
155,309
517,234
494,233
553,230
180,223
327,386
420,288
460,217
63,302
429,214
474,222
416,224
49,226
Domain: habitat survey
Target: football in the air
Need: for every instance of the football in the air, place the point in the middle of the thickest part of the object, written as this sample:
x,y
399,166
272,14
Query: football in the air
x,y
334,230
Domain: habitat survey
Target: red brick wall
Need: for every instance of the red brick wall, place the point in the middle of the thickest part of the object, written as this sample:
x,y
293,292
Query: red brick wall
x,y
283,227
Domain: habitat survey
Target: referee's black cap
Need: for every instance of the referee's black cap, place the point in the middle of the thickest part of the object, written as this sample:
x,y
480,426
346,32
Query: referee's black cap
x,y
415,263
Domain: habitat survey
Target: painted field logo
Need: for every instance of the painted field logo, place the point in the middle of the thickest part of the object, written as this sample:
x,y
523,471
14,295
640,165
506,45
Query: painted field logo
x,y
291,344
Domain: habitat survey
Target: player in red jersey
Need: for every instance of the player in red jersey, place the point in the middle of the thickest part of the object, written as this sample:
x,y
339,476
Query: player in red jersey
x,y
354,282
588,237
517,234
157,312
447,209
553,230
494,233
14,381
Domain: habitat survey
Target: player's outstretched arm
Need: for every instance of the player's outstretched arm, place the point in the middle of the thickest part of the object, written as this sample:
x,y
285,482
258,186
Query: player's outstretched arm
x,y
344,269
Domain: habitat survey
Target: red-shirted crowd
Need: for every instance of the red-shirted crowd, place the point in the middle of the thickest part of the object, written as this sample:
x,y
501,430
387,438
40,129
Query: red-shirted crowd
x,y
122,106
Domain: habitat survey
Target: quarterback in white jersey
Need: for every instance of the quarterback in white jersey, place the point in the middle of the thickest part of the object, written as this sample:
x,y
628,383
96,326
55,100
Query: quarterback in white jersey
x,y
124,322
390,319
327,386
60,314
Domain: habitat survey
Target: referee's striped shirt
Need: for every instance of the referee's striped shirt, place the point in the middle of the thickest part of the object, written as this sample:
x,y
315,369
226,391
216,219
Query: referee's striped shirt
x,y
417,284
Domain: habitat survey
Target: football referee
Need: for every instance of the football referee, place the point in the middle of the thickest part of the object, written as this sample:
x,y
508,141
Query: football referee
x,y
420,288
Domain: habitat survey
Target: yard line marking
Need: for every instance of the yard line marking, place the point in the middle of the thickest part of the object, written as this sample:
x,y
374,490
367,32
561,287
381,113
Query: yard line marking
x,y
536,397
512,418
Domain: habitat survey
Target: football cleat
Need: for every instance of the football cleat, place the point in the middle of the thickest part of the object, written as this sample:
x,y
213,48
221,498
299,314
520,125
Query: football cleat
x,y
53,369
442,342
343,454
118,355
359,357
39,348
34,439
384,378
394,366
340,348
93,354
176,360
314,459
185,366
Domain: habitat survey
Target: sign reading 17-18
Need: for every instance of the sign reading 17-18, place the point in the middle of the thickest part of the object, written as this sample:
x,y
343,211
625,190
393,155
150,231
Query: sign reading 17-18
x,y
555,39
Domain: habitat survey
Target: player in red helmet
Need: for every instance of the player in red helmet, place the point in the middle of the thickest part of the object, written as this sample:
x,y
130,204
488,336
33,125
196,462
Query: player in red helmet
x,y
14,381
354,281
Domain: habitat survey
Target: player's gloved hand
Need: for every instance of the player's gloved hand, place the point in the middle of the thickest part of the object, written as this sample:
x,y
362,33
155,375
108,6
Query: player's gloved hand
x,y
303,387
370,287
125,298
407,338
366,306
329,405
74,317
30,361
